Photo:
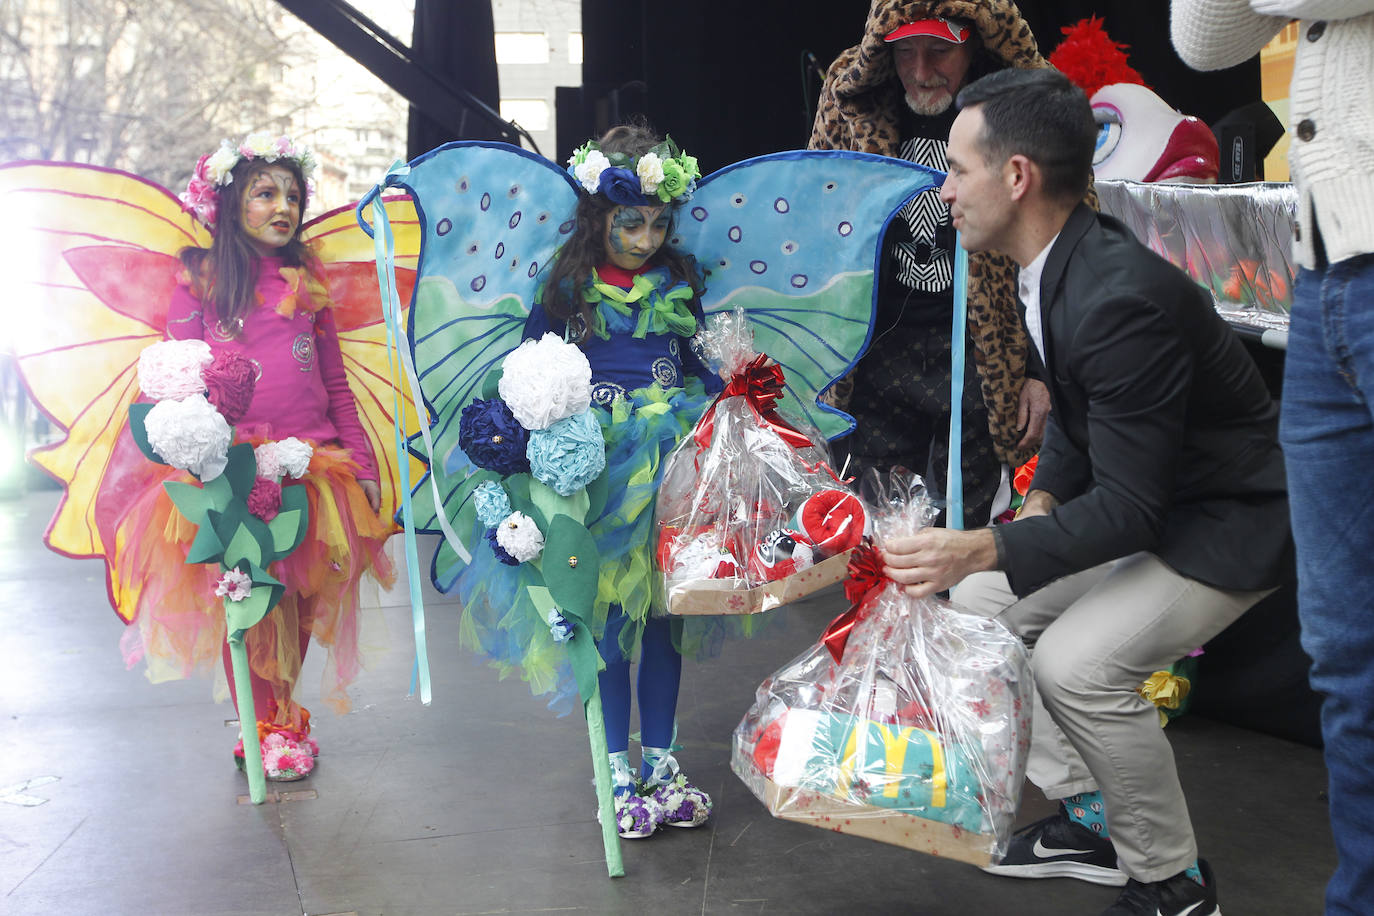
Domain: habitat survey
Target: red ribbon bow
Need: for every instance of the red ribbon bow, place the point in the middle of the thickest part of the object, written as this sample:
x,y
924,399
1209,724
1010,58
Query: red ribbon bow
x,y
761,386
863,584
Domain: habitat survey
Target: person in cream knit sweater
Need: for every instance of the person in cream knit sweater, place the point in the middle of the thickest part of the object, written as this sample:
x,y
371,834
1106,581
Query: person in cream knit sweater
x,y
1326,426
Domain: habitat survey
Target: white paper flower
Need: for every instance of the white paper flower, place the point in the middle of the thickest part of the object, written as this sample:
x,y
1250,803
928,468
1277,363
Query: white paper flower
x,y
190,434
171,369
650,172
589,170
520,537
260,144
294,456
218,166
234,585
545,380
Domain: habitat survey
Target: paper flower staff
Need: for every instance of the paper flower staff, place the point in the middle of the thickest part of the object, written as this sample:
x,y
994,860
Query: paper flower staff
x,y
246,520
542,457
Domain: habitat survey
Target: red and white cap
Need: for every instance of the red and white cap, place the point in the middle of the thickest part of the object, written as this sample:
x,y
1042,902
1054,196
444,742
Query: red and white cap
x,y
947,29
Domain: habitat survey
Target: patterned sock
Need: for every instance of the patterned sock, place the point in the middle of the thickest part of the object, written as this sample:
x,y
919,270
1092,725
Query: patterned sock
x,y
1087,809
1192,871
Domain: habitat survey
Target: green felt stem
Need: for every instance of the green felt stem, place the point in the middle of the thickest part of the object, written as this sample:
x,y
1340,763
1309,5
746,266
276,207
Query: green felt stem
x,y
248,719
601,769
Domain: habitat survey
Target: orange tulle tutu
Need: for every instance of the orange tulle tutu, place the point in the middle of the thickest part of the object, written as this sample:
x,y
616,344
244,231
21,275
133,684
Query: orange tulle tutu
x,y
178,626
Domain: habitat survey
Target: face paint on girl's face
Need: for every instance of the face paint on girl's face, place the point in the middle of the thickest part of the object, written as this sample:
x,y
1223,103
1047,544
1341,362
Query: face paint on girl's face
x,y
633,234
271,208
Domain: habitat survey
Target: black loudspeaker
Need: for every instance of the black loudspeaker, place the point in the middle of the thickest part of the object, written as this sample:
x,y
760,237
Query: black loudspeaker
x,y
1244,137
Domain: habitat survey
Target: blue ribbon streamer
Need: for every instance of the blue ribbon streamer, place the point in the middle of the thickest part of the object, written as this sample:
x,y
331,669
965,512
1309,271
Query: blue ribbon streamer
x,y
385,248
954,474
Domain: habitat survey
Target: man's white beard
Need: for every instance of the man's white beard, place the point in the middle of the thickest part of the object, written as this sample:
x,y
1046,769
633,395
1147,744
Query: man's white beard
x,y
932,106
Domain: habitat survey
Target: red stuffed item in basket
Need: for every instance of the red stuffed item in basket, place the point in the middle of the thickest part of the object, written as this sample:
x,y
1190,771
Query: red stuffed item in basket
x,y
907,722
750,513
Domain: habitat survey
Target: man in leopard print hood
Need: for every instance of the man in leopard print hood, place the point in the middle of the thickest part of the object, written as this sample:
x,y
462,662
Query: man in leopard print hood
x,y
892,94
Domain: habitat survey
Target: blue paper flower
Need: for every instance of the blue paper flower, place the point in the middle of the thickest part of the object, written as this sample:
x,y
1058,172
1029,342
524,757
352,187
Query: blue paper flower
x,y
622,186
500,551
491,436
492,503
569,454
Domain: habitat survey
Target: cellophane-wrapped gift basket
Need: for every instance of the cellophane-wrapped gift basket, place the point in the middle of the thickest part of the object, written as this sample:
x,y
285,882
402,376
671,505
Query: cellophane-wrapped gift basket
x,y
908,722
750,513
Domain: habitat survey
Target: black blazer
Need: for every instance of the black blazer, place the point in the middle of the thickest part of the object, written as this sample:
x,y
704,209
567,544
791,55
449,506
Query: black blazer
x,y
1163,436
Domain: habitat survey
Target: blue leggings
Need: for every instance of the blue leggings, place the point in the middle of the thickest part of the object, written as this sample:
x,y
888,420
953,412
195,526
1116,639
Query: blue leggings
x,y
660,673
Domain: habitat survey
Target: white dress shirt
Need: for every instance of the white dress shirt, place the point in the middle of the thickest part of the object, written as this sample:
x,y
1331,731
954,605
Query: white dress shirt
x,y
1028,288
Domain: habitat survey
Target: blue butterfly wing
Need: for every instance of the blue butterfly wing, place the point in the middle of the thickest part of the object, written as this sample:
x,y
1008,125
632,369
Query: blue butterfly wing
x,y
794,238
491,218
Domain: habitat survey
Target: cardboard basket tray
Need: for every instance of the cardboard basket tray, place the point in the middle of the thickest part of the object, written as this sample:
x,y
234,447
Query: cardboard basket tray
x,y
882,824
725,596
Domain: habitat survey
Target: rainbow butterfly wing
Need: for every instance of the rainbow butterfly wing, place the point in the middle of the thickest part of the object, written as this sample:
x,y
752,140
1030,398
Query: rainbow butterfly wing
x,y
351,275
91,268
92,265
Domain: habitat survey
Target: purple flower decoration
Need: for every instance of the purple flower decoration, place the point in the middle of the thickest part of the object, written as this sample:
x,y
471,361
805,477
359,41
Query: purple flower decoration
x,y
500,551
491,436
622,186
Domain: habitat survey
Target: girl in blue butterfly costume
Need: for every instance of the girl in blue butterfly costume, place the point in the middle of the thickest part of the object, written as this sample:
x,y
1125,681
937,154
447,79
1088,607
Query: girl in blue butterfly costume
x,y
632,304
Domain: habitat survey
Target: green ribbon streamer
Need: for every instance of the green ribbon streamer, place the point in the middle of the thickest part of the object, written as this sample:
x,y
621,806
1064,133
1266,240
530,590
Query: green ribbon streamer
x,y
385,252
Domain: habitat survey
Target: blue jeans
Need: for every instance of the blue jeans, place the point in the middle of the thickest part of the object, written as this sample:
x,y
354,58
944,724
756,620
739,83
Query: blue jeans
x,y
1327,432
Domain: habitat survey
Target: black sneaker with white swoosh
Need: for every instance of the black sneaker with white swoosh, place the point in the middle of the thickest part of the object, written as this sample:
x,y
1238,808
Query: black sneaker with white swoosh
x,y
1176,896
1056,847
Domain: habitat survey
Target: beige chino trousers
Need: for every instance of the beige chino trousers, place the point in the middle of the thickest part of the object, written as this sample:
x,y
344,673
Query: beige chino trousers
x,y
1094,638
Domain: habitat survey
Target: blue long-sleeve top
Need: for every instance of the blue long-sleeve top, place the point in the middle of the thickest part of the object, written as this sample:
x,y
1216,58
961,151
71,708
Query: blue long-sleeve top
x,y
622,362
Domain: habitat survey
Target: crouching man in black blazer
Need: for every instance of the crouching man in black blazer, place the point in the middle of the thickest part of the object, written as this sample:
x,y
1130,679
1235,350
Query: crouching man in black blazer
x,y
1158,512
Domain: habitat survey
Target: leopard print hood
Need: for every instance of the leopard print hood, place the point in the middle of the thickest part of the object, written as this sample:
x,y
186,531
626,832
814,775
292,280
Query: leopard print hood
x,y
1005,40
860,108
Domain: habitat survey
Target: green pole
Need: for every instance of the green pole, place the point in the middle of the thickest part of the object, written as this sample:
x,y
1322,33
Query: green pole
x,y
248,719
601,770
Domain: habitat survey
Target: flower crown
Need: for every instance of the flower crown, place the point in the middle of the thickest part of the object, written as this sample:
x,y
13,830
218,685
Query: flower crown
x,y
662,175
216,170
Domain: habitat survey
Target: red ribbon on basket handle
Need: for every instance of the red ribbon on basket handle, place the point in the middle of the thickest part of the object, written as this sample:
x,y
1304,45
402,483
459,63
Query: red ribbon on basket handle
x,y
863,583
761,386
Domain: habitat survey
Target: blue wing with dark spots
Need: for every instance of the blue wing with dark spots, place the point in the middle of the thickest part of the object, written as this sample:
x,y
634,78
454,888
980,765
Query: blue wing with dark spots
x,y
794,239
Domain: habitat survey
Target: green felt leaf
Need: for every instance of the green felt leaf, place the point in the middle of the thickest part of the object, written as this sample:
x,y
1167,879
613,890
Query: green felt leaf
x,y
491,384
220,491
246,537
241,470
240,615
551,503
138,413
243,546
570,563
191,501
597,493
261,576
586,660
289,527
207,547
518,488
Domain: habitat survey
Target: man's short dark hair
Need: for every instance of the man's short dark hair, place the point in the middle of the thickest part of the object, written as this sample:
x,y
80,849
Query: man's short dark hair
x,y
1038,114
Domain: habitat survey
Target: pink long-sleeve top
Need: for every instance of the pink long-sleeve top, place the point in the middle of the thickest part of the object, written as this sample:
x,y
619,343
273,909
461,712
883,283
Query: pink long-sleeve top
x,y
302,390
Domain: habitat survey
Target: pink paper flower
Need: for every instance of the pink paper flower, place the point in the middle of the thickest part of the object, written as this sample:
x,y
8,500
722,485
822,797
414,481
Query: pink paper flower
x,y
229,382
264,500
173,369
234,585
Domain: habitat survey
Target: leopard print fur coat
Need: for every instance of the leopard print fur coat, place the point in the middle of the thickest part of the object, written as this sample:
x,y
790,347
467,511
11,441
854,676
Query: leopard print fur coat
x,y
859,110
